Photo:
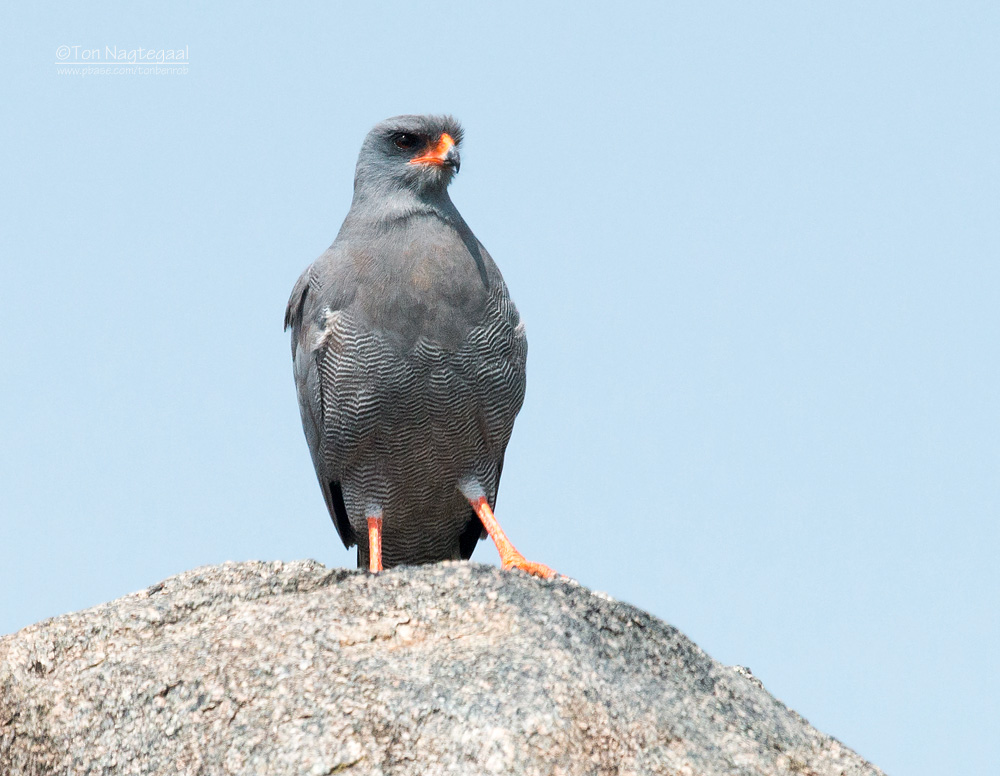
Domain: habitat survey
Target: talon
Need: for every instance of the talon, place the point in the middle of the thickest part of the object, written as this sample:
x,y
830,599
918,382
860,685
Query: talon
x,y
529,566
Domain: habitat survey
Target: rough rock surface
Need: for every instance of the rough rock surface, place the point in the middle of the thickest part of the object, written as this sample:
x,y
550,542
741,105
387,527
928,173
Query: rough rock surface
x,y
293,668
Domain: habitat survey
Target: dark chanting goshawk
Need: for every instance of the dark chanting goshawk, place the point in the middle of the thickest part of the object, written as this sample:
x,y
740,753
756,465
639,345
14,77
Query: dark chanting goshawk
x,y
409,360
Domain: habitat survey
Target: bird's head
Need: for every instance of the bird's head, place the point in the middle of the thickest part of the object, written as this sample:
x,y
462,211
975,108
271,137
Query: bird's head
x,y
419,153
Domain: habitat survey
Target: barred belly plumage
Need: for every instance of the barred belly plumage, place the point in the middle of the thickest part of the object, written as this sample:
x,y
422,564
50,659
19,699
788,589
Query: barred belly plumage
x,y
402,427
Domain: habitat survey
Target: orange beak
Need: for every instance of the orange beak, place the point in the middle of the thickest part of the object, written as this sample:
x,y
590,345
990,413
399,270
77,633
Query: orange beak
x,y
443,154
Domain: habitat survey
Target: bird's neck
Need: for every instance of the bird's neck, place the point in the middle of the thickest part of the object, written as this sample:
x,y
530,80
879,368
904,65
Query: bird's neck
x,y
375,205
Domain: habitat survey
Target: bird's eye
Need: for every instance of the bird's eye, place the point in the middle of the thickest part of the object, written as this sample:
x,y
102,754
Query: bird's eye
x,y
405,141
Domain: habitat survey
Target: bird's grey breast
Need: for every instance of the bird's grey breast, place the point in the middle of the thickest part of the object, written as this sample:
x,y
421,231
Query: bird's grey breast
x,y
415,280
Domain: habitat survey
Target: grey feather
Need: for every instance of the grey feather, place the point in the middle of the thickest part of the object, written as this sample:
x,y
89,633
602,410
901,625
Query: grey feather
x,y
409,356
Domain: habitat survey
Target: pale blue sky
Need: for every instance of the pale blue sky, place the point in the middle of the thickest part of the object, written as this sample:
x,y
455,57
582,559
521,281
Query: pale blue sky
x,y
755,247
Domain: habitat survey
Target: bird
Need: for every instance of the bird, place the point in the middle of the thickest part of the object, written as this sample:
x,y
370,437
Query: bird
x,y
409,360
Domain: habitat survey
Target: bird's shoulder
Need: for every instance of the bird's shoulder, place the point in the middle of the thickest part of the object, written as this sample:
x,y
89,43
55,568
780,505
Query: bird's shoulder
x,y
326,283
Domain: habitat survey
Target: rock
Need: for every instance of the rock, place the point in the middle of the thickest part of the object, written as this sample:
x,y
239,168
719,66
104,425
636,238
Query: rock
x,y
293,668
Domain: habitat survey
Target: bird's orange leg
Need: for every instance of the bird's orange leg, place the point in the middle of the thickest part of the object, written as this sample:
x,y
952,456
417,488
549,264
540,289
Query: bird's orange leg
x,y
374,544
509,557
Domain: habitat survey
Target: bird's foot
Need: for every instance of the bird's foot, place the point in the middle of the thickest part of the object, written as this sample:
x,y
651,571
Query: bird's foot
x,y
509,557
518,561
